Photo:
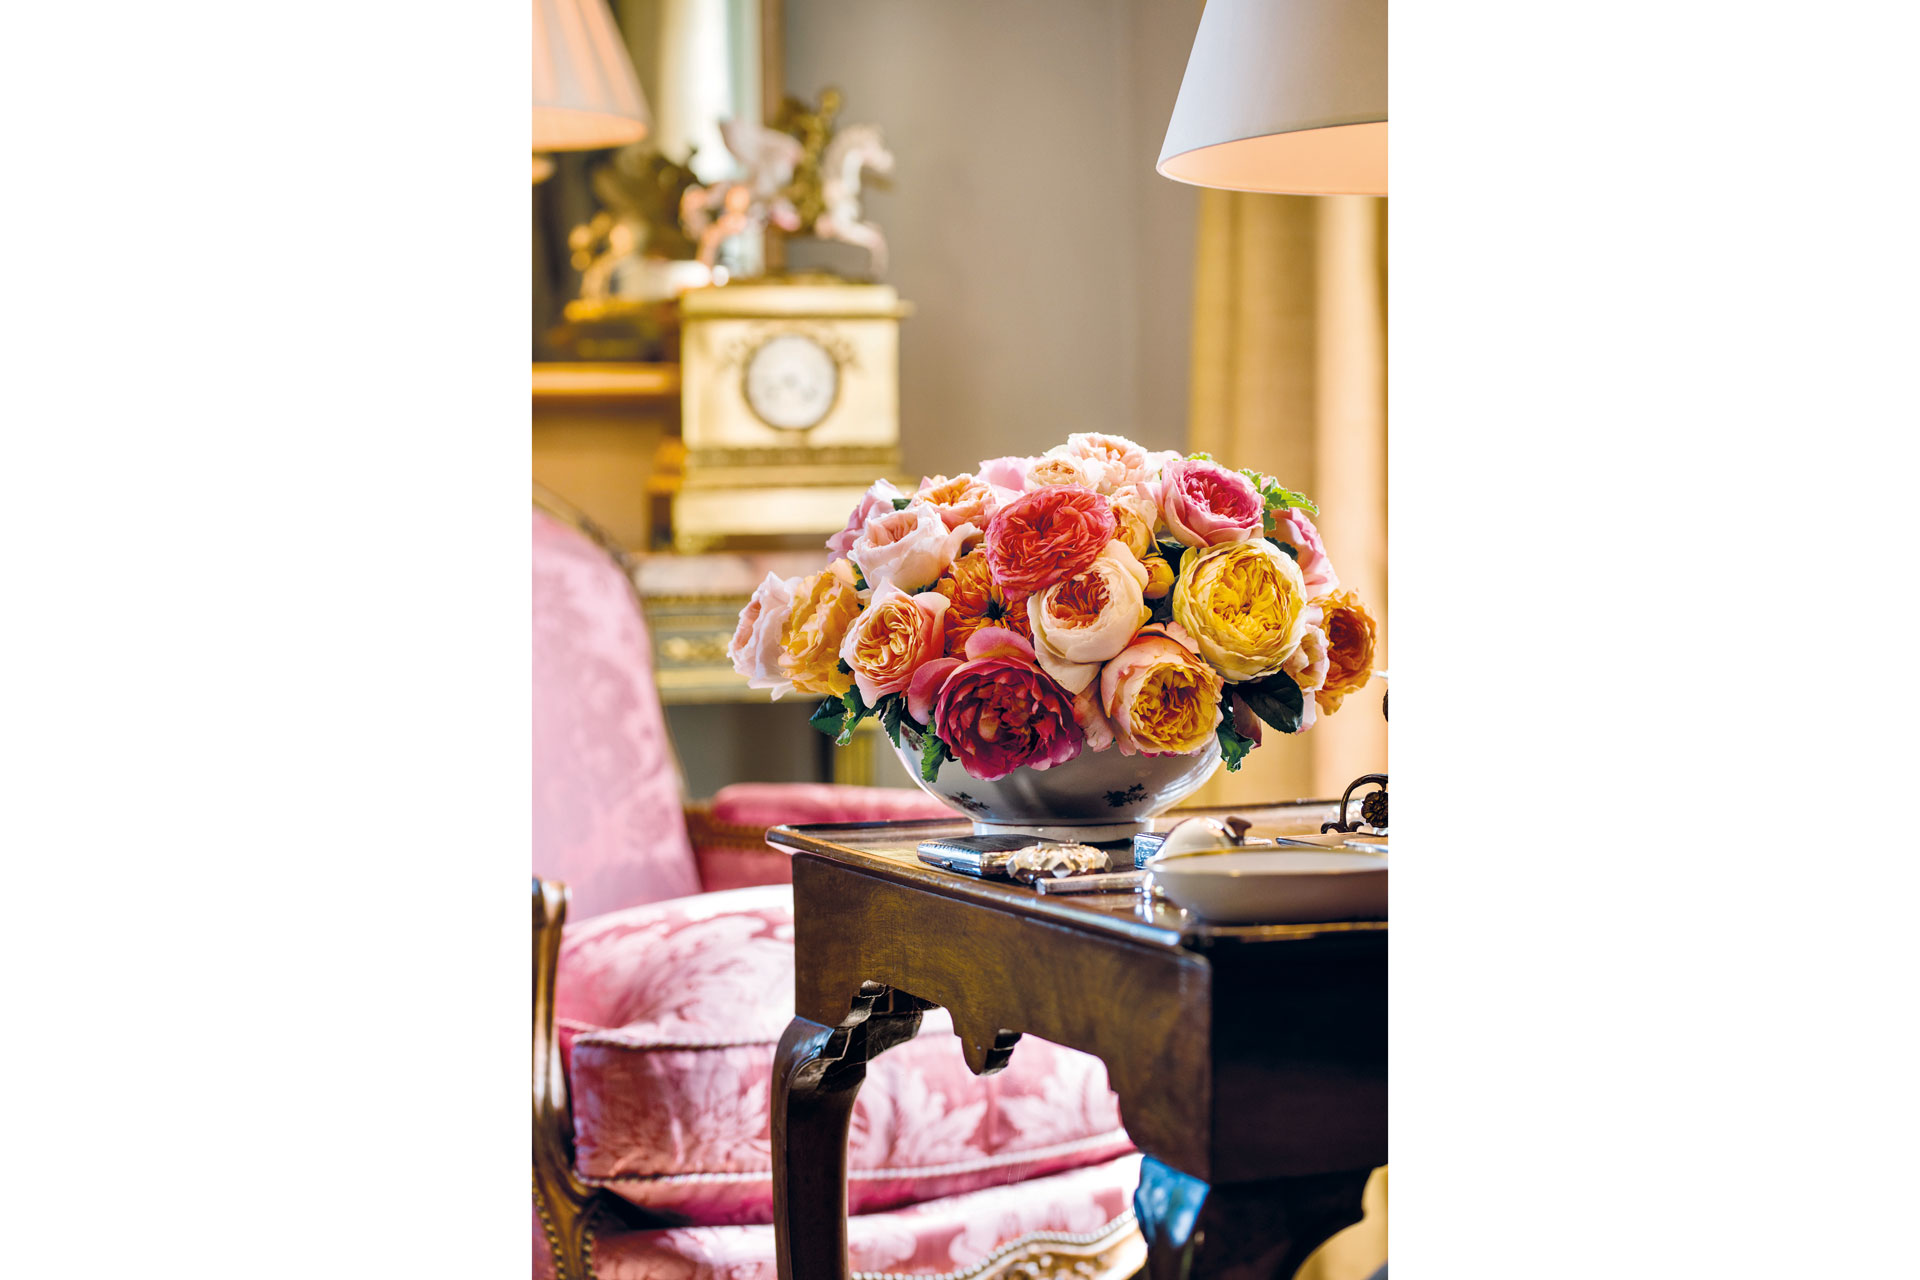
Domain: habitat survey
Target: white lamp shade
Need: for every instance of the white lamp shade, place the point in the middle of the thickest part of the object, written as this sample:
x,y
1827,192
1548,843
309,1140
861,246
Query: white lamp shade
x,y
1284,96
585,94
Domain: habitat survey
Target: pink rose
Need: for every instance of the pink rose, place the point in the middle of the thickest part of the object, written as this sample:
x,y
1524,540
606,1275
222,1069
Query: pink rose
x,y
1107,462
1092,719
1080,622
1204,504
891,638
755,647
909,548
997,710
964,499
1046,535
1293,528
1009,473
878,501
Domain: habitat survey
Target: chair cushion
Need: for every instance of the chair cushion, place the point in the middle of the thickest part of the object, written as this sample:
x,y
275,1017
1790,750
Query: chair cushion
x,y
937,1238
729,835
668,1016
606,790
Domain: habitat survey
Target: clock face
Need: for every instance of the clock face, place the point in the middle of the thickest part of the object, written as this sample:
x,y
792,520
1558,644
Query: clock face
x,y
791,382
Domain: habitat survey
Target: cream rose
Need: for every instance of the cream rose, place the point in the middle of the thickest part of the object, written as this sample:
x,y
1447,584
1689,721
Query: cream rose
x,y
1080,622
1050,469
891,638
1109,463
1136,510
755,648
876,501
909,548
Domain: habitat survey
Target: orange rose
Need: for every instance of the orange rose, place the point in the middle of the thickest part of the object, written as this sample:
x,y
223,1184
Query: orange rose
x,y
824,606
1350,634
978,601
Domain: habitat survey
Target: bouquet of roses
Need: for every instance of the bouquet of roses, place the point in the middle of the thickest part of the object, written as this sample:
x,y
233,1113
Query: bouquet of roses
x,y
1096,597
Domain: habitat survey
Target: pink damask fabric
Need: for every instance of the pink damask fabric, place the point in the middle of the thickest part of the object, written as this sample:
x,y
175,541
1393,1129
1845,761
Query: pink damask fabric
x,y
934,1238
669,1014
771,804
607,816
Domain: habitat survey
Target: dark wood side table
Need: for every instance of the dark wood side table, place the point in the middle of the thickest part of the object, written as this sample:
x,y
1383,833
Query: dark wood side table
x,y
1250,1061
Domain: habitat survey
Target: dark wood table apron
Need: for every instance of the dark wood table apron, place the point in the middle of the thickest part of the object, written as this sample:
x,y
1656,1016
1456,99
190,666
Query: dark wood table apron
x,y
1250,1062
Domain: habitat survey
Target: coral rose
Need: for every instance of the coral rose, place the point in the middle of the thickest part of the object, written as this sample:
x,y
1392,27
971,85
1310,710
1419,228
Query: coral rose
x,y
997,710
1109,463
1046,535
1244,603
909,548
964,499
1079,623
1160,698
891,638
1350,636
1293,528
1136,513
755,648
978,601
877,501
824,606
1204,504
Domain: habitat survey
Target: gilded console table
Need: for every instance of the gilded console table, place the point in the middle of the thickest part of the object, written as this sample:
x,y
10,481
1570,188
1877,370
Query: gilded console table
x,y
1250,1061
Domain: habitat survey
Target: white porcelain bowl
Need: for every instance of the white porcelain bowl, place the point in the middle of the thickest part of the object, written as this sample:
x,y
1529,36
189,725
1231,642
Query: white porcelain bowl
x,y
1097,795
1275,886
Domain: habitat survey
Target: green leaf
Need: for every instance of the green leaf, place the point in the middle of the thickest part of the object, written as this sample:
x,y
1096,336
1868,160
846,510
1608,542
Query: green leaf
x,y
857,710
1286,547
932,752
1200,457
901,504
859,575
1234,745
1277,497
828,717
1275,699
1160,610
1171,551
893,708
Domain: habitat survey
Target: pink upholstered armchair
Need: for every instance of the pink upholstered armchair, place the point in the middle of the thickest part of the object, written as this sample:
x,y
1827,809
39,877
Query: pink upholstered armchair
x,y
656,1012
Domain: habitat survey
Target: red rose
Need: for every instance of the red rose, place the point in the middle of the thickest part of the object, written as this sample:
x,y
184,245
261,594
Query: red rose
x,y
1048,535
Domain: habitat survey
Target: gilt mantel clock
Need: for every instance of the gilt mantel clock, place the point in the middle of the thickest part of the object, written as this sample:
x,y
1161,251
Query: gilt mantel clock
x,y
789,406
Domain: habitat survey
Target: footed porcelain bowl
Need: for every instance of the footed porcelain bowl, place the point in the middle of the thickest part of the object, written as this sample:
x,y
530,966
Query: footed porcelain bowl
x,y
1097,795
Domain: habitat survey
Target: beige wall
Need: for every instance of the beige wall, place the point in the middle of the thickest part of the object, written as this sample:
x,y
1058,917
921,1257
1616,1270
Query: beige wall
x,y
1051,267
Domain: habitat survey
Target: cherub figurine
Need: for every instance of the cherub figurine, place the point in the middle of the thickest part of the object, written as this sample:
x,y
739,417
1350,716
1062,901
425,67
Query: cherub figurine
x,y
716,213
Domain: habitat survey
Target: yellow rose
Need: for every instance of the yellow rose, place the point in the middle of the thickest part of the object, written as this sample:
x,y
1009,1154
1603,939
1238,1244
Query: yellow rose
x,y
1159,576
1159,697
1350,635
824,606
1244,603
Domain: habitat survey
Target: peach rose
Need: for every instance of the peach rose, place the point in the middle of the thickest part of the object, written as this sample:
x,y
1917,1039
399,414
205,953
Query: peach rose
x,y
1049,534
909,548
1048,470
1293,528
1109,463
1350,637
1079,623
1308,666
964,499
891,637
1160,696
878,501
978,601
1136,510
824,606
1204,504
755,648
